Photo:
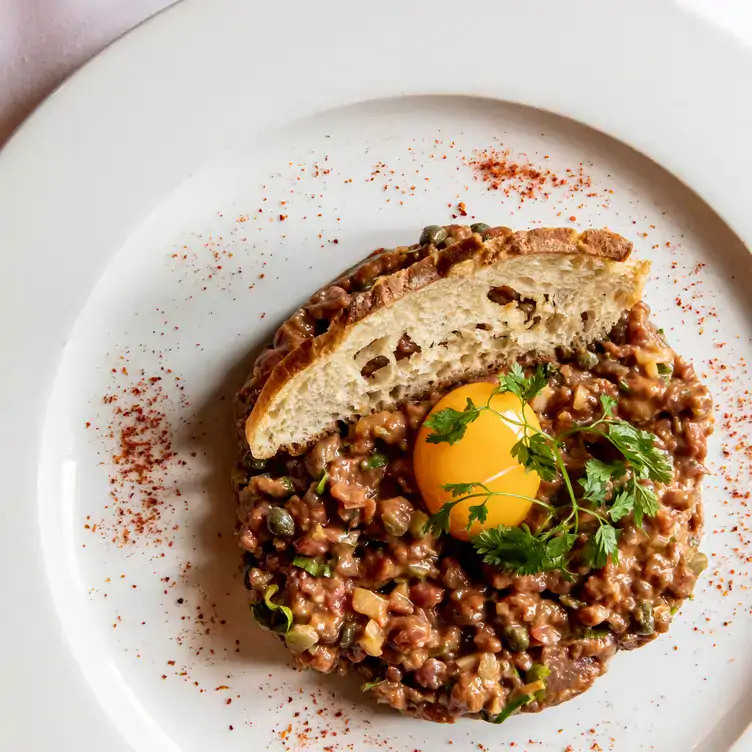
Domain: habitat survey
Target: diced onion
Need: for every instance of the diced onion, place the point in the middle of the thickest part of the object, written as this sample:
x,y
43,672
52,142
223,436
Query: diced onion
x,y
581,395
301,637
370,604
467,662
372,639
651,358
539,403
399,601
488,667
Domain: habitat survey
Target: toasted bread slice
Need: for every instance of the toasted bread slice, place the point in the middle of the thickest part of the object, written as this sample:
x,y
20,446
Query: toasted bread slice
x,y
458,313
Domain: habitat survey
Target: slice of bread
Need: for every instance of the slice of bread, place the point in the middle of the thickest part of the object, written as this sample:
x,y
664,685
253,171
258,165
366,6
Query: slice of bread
x,y
472,308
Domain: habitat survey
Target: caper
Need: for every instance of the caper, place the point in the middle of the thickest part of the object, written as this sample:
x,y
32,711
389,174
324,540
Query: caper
x,y
479,227
348,634
517,638
288,484
569,602
587,359
643,616
280,522
433,234
698,563
254,464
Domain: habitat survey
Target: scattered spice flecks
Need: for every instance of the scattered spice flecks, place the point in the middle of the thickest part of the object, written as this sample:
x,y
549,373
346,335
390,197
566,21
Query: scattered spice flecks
x,y
141,460
518,176
211,641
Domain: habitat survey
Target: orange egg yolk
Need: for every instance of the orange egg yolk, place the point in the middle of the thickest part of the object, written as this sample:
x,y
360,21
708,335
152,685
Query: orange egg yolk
x,y
482,455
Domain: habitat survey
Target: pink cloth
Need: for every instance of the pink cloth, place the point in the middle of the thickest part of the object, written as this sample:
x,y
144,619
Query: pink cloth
x,y
43,41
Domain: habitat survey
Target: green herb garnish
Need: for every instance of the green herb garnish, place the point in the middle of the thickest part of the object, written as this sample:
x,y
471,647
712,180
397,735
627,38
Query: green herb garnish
x,y
370,685
374,461
267,612
321,485
313,567
618,486
518,549
665,371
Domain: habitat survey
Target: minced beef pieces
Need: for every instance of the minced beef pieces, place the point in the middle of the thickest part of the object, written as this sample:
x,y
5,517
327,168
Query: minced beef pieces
x,y
446,635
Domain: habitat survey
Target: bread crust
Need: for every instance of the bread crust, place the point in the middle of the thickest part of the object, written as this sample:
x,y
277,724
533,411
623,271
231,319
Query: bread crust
x,y
464,257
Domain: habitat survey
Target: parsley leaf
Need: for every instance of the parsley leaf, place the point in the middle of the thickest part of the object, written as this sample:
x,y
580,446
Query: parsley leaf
x,y
623,504
534,452
517,550
609,403
559,546
602,546
477,512
525,387
511,548
449,425
597,476
438,523
460,489
637,498
645,502
638,447
313,567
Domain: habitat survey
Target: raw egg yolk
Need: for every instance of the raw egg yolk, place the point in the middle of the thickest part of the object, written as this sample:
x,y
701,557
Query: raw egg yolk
x,y
482,455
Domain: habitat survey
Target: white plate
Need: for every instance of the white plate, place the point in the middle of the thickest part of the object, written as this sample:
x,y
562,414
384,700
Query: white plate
x,y
132,239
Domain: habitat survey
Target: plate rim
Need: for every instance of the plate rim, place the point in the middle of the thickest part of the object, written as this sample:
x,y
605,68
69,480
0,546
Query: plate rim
x,y
136,97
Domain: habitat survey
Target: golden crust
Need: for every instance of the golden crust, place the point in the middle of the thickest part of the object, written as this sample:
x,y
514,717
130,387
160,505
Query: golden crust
x,y
392,287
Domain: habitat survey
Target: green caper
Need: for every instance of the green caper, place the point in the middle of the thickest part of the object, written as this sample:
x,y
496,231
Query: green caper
x,y
253,464
587,359
435,234
479,227
698,563
288,484
569,602
280,522
517,638
643,617
348,634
